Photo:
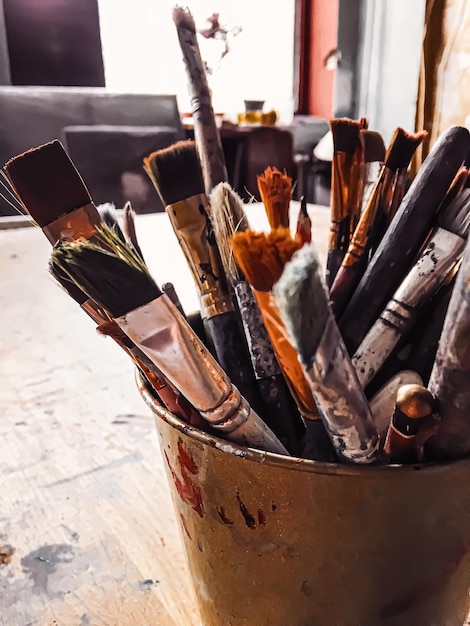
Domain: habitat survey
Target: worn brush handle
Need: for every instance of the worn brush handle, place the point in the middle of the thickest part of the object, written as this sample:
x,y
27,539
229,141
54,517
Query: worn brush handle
x,y
404,236
450,375
432,268
232,354
346,281
206,133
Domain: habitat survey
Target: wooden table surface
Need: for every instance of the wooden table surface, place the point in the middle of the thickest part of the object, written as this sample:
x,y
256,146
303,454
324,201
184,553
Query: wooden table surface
x,y
87,531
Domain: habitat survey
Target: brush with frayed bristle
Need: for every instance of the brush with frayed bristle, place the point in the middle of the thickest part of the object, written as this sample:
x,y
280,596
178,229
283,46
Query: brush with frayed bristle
x,y
278,409
302,300
120,283
405,235
206,133
372,219
262,257
109,215
275,189
175,172
438,259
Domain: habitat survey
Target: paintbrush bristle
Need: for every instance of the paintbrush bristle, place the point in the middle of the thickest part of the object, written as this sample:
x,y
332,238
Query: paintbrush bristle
x,y
47,182
302,300
402,147
262,256
228,217
128,224
108,214
373,145
456,216
175,172
345,134
275,189
183,18
108,271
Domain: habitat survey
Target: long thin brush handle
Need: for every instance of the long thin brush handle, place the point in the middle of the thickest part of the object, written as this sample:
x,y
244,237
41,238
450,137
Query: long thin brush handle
x,y
278,407
206,133
421,283
404,236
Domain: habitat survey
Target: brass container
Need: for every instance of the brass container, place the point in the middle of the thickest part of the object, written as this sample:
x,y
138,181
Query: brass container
x,y
279,541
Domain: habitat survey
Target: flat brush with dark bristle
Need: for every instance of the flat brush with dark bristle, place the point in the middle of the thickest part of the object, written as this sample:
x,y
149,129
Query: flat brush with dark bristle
x,y
404,237
206,132
121,284
275,189
440,255
373,149
375,213
176,174
302,299
53,192
303,228
262,257
279,411
346,189
106,326
128,224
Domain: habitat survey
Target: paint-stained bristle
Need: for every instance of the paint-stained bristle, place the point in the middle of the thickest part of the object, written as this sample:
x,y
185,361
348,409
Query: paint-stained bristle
x,y
345,134
47,182
175,172
228,217
373,146
456,216
66,283
302,300
275,189
401,149
262,256
183,19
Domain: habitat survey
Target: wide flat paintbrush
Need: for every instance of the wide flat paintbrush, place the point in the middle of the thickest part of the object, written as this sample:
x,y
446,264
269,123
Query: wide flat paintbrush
x,y
262,257
275,189
450,375
443,250
302,298
53,192
405,235
279,410
206,132
119,281
346,189
376,210
176,174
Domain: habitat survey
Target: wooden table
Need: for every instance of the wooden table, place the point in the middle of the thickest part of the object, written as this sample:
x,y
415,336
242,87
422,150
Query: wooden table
x,y
87,531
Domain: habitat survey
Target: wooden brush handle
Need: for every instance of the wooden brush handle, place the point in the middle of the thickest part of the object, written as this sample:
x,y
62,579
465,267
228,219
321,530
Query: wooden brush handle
x,y
405,235
206,133
432,268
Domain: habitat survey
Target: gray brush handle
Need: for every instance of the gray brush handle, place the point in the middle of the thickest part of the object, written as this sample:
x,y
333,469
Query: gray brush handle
x,y
433,266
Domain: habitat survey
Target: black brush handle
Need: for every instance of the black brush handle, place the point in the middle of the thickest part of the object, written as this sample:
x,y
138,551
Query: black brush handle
x,y
405,235
333,263
232,354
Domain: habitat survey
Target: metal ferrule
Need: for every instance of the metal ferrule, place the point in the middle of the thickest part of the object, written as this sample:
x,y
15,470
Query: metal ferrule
x,y
192,226
341,400
78,224
167,339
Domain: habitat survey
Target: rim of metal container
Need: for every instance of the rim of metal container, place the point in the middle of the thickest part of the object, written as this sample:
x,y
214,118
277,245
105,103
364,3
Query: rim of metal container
x,y
290,462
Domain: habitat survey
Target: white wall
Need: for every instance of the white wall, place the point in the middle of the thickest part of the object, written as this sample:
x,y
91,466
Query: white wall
x,y
141,51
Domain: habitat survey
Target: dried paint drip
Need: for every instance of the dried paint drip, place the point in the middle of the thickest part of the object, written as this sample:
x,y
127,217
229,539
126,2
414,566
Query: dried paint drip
x,y
187,490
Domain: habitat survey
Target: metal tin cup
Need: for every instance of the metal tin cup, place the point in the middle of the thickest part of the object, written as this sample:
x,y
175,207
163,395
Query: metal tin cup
x,y
280,541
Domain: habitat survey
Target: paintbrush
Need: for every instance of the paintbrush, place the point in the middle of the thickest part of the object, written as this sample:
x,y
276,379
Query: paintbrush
x,y
302,299
121,284
405,235
206,132
176,175
108,214
105,326
382,404
413,423
275,189
262,257
128,224
442,251
373,149
346,189
279,411
376,210
53,192
303,227
450,376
